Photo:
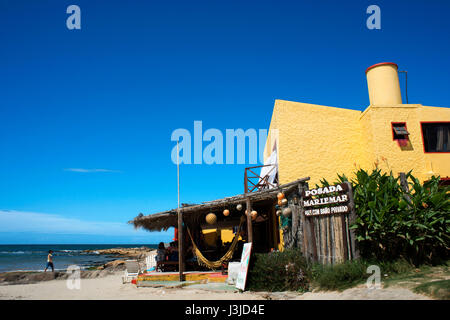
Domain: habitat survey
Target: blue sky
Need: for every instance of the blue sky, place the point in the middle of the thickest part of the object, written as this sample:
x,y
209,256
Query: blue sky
x,y
105,99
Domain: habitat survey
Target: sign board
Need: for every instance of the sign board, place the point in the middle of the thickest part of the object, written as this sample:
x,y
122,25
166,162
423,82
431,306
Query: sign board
x,y
245,259
326,215
326,200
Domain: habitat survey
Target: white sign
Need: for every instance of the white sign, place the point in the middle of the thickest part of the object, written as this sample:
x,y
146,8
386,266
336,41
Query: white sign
x,y
325,190
326,210
245,259
326,200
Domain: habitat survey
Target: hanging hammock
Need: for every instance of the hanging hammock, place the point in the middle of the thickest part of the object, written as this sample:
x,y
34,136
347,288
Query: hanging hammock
x,y
213,265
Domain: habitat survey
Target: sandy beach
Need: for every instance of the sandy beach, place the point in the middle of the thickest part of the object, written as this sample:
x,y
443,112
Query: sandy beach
x,y
111,287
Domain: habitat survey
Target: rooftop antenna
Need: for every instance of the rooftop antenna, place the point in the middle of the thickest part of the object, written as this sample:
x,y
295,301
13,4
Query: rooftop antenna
x,y
406,84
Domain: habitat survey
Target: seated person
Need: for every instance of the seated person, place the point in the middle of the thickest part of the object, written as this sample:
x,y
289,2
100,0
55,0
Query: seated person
x,y
190,255
172,251
161,252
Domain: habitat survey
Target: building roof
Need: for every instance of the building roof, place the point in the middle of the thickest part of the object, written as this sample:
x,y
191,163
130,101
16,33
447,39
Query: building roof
x,y
194,214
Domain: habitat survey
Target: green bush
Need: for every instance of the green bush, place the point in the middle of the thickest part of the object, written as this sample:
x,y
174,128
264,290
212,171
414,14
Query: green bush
x,y
399,266
289,271
350,273
391,223
279,271
339,276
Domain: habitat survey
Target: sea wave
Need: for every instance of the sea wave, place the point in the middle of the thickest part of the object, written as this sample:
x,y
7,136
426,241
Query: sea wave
x,y
15,252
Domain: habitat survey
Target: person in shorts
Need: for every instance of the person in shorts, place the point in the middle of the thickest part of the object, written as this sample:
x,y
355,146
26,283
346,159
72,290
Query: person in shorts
x,y
50,261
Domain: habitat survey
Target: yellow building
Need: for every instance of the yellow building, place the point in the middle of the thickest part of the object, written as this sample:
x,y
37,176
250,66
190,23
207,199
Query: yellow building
x,y
321,141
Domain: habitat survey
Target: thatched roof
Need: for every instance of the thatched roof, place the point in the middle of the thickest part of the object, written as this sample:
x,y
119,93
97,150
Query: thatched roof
x,y
194,214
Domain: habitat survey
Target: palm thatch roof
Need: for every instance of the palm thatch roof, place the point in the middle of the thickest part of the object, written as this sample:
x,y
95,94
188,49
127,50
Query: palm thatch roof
x,y
194,214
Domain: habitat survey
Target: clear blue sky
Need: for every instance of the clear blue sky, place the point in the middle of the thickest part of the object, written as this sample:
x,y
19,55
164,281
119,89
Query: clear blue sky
x,y
108,96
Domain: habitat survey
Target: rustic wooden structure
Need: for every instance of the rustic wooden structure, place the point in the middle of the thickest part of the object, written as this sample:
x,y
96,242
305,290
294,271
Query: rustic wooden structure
x,y
322,238
193,216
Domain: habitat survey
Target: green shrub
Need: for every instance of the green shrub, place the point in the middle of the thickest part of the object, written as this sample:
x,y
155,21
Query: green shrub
x,y
425,224
279,271
350,273
339,276
400,266
391,223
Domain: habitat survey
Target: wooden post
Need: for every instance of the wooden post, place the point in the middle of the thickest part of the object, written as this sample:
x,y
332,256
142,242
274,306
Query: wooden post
x,y
180,245
405,187
351,220
313,238
332,241
309,234
249,220
294,230
245,181
300,232
180,224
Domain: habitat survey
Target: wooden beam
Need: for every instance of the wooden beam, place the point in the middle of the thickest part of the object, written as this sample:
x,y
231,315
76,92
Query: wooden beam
x,y
249,221
180,224
310,221
180,245
405,187
351,220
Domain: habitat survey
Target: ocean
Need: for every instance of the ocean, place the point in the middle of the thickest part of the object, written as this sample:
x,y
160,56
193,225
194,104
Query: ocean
x,y
34,257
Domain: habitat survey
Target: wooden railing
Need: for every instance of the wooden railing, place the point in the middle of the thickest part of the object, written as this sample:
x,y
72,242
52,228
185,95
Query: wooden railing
x,y
254,182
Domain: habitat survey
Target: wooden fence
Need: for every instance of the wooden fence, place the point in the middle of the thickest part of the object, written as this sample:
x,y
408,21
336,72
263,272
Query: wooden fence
x,y
322,231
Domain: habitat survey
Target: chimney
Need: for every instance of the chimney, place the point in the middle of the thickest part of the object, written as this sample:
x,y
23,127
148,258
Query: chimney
x,y
383,84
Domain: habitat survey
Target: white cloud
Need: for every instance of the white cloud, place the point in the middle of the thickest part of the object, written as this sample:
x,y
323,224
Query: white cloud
x,y
20,221
89,170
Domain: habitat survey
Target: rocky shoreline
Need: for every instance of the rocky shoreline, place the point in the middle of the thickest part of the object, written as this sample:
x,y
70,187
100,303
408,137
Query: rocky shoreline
x,y
96,271
132,253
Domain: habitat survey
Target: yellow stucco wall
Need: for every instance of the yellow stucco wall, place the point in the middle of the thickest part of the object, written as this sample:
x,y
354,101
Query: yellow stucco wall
x,y
315,140
226,234
436,163
320,142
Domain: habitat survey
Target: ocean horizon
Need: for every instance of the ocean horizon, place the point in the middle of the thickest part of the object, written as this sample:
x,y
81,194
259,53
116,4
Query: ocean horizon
x,y
33,257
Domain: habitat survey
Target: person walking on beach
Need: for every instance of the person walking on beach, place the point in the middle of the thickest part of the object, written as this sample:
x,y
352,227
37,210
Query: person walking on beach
x,y
50,261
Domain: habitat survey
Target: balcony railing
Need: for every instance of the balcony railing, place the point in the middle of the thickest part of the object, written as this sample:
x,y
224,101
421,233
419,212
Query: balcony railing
x,y
254,182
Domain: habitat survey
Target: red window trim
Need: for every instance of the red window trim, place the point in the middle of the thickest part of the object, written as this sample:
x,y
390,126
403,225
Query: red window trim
x,y
423,140
399,141
392,128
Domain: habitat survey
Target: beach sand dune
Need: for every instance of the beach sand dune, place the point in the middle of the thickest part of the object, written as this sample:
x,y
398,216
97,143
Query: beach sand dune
x,y
111,287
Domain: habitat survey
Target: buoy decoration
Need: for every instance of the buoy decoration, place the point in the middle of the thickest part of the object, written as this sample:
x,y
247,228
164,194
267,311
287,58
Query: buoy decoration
x,y
280,195
226,212
254,214
239,207
284,202
211,218
287,212
278,213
